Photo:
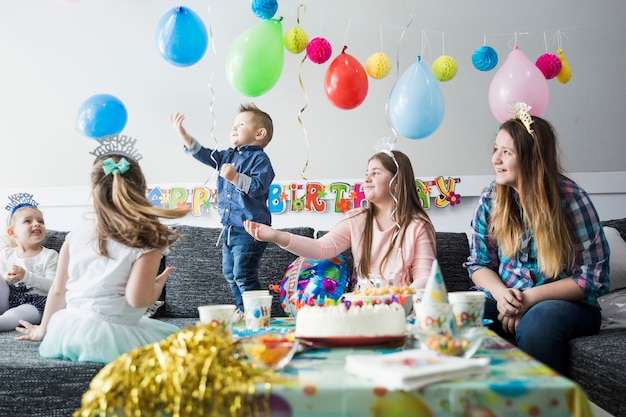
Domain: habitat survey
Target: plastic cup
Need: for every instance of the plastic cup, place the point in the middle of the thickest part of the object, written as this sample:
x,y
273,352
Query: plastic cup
x,y
221,313
468,307
432,317
257,311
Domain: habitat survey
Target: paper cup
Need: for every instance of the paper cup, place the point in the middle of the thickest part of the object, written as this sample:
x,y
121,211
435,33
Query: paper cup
x,y
417,297
468,307
433,317
255,293
221,313
257,311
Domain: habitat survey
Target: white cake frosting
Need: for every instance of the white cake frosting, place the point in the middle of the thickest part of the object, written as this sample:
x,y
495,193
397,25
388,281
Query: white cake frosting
x,y
356,321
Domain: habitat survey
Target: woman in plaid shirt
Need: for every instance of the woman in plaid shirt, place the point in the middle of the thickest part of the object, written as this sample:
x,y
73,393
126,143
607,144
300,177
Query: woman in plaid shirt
x,y
538,249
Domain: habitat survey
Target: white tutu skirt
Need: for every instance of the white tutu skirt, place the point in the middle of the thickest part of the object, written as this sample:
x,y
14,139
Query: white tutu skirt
x,y
88,339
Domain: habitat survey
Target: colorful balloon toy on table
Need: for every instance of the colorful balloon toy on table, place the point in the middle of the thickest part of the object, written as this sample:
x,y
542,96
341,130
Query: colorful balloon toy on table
x,y
310,280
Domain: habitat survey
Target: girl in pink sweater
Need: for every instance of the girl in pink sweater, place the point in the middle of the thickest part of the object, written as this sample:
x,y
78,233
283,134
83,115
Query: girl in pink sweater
x,y
392,239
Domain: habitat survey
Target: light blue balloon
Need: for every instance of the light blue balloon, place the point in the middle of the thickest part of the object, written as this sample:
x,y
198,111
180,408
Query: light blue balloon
x,y
181,37
416,105
101,115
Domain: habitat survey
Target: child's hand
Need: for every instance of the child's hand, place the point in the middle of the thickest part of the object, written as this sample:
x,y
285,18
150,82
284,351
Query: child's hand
x,y
229,173
30,332
177,123
15,274
163,276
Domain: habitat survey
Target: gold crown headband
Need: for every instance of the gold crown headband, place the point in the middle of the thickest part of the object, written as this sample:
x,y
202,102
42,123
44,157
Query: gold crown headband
x,y
519,111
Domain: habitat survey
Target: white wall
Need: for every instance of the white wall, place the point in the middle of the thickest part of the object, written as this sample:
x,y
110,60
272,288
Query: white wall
x,y
57,53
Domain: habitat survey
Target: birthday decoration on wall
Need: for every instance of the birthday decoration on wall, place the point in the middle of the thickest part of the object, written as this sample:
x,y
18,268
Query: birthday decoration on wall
x,y
101,115
315,197
255,59
181,37
518,79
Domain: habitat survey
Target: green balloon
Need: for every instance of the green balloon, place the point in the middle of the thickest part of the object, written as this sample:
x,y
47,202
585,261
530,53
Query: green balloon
x,y
255,60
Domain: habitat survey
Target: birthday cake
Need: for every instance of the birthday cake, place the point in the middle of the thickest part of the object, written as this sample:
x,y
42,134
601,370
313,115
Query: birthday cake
x,y
351,320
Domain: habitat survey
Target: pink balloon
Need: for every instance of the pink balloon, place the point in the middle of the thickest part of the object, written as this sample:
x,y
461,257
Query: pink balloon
x,y
518,79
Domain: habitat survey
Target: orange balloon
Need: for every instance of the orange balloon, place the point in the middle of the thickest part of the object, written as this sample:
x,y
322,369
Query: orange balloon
x,y
346,82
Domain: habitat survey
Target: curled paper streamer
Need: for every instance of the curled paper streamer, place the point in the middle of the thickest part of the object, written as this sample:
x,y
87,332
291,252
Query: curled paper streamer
x,y
306,98
214,174
386,144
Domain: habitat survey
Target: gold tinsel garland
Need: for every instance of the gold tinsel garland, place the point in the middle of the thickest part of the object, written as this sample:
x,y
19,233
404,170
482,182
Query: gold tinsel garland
x,y
197,371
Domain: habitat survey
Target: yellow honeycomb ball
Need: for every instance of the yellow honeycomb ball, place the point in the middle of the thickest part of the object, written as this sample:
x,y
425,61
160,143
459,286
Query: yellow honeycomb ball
x,y
378,65
444,68
296,40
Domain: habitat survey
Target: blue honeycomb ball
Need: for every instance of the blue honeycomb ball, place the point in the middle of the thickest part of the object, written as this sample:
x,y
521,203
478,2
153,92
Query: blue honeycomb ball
x,y
264,9
485,58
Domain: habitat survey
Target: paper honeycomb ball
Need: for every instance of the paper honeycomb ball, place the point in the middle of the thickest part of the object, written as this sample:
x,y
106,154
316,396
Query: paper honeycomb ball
x,y
378,65
264,9
296,40
309,279
319,50
549,64
444,68
485,58
566,71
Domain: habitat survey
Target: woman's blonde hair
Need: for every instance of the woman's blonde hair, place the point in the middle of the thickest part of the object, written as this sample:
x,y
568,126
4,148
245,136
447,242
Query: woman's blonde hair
x,y
536,205
124,213
408,208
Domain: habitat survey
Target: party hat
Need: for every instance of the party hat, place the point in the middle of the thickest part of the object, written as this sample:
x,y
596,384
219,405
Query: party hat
x,y
435,291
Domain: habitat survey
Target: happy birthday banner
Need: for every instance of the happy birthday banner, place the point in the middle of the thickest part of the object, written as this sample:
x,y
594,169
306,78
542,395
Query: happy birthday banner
x,y
304,197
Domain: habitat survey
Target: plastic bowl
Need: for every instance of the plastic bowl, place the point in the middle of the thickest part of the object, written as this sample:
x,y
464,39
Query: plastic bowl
x,y
270,350
465,343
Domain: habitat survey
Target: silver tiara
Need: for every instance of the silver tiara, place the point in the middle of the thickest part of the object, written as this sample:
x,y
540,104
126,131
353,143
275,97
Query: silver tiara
x,y
117,145
19,200
521,111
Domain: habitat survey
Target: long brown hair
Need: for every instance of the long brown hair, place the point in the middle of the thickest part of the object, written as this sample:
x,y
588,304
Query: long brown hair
x,y
537,203
123,212
408,208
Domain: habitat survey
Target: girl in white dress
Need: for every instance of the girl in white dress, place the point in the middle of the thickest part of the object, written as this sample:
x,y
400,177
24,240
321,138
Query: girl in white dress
x,y
107,272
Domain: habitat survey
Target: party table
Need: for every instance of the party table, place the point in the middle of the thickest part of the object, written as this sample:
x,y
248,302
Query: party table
x,y
316,384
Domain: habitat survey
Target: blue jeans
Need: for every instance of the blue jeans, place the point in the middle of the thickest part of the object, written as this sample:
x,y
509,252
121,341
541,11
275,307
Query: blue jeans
x,y
545,330
240,261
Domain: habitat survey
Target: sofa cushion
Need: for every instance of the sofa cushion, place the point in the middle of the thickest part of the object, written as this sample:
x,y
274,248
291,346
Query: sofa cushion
x,y
617,261
54,239
198,280
452,251
597,364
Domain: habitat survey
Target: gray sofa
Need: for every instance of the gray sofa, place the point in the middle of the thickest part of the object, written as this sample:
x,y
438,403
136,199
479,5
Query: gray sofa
x,y
33,386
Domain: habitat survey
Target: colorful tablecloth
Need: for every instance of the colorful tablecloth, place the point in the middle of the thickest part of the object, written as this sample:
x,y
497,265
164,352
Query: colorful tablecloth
x,y
316,384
